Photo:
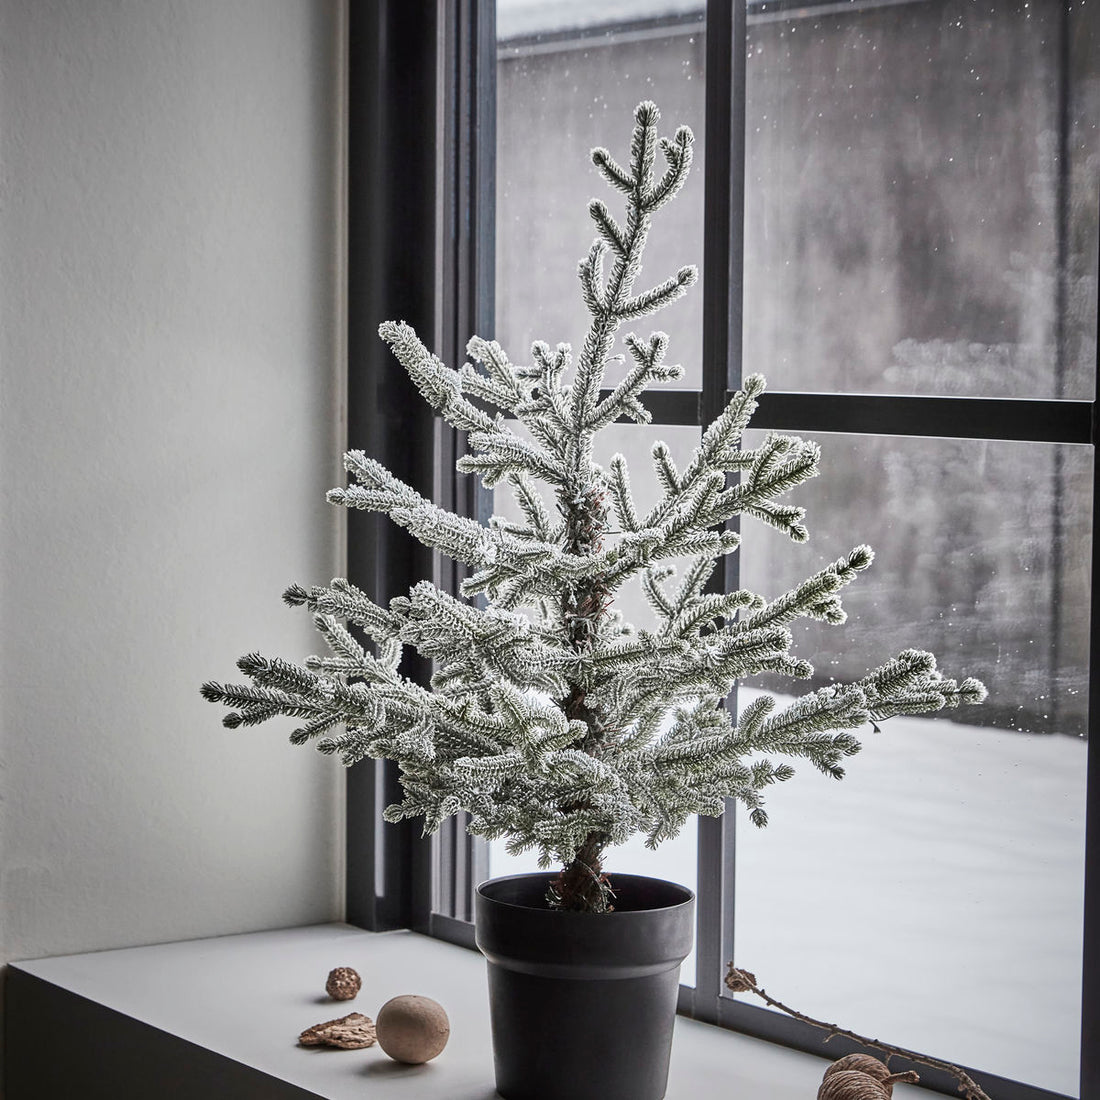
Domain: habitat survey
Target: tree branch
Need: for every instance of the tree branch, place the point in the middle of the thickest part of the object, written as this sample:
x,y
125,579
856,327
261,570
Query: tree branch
x,y
744,981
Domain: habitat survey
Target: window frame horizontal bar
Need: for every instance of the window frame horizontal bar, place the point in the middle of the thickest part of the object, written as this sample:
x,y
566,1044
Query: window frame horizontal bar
x,y
668,406
1015,419
452,930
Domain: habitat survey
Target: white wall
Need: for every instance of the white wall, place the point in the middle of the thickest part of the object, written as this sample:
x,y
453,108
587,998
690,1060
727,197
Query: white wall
x,y
168,353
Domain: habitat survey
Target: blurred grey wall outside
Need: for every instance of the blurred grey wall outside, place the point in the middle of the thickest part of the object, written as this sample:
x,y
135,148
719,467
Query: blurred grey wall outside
x,y
921,218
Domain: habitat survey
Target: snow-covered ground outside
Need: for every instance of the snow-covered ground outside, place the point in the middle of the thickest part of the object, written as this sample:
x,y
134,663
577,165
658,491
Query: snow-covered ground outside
x,y
932,899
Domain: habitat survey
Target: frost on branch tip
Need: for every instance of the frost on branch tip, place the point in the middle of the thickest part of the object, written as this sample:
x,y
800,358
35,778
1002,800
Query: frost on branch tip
x,y
548,720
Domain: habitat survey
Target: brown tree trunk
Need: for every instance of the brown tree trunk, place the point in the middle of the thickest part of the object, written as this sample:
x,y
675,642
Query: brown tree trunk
x,y
581,886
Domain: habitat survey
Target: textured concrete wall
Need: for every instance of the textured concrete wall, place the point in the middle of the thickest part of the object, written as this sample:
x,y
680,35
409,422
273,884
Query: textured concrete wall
x,y
168,311
552,109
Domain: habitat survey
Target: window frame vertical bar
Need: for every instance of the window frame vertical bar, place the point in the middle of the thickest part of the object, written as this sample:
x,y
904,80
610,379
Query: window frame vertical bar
x,y
1090,958
392,82
723,262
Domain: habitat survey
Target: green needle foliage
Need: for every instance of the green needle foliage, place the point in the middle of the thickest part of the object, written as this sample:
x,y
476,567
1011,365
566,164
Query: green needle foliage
x,y
548,720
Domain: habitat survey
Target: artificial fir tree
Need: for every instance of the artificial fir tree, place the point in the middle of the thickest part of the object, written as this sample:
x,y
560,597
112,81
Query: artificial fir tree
x,y
549,720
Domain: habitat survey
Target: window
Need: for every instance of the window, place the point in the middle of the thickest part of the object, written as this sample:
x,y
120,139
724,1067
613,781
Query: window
x,y
900,208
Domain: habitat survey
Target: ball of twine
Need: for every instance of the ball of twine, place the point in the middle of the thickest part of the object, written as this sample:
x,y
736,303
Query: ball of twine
x,y
842,1081
865,1063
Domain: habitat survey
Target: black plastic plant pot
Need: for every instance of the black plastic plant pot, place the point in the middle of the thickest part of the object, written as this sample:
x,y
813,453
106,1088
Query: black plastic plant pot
x,y
583,1004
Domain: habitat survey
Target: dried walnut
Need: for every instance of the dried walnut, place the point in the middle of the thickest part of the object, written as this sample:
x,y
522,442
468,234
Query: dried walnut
x,y
343,983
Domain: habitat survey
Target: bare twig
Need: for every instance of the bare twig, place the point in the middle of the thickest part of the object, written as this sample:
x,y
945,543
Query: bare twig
x,y
744,981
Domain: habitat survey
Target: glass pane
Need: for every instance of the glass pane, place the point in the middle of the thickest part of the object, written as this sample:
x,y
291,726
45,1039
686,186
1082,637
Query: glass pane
x,y
569,77
912,901
921,198
675,859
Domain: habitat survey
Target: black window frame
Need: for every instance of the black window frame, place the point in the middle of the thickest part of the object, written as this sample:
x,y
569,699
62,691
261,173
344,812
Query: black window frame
x,y
421,117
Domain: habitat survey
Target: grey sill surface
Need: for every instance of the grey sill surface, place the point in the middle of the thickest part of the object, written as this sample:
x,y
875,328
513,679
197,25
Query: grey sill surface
x,y
235,1005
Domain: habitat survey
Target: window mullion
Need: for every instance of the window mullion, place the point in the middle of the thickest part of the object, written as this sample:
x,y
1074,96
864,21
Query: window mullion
x,y
723,258
1090,963
391,216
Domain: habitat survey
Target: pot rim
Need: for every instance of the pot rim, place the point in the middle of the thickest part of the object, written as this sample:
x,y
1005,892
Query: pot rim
x,y
689,895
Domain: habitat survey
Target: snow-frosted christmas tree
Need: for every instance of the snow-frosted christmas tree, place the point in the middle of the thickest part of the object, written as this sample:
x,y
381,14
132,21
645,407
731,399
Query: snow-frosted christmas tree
x,y
549,720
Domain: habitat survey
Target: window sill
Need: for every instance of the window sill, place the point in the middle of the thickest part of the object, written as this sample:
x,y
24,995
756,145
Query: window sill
x,y
222,1016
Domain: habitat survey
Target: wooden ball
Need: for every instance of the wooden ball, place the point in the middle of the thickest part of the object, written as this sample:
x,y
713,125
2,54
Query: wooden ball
x,y
412,1029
